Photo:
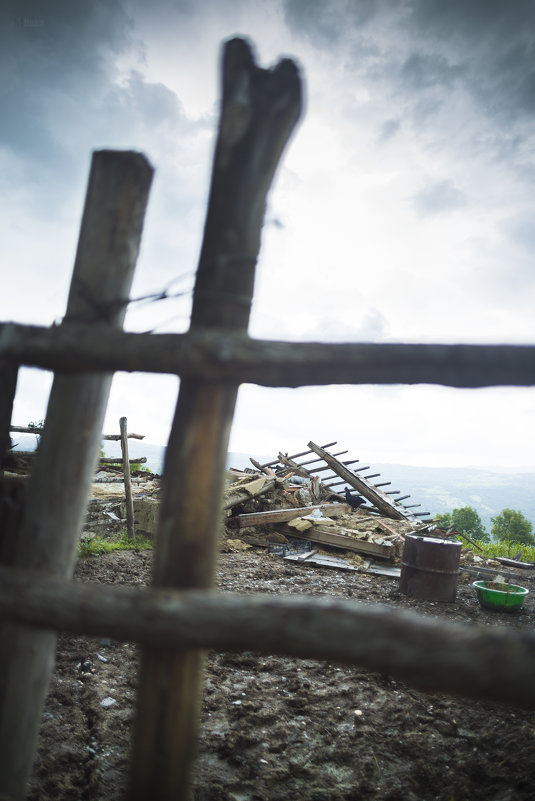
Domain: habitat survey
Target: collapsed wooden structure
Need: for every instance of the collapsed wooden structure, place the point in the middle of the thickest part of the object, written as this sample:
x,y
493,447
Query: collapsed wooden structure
x,y
181,615
341,473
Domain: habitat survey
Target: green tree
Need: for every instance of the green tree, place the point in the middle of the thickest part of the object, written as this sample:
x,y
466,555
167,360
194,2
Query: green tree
x,y
511,526
467,520
38,426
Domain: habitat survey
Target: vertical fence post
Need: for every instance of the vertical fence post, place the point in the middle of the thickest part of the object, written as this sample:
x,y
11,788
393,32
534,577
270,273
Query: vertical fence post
x,y
11,493
258,113
8,385
127,482
56,500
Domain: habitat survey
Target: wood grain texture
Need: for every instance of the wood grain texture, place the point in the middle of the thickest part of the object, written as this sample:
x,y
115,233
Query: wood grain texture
x,y
59,486
230,358
432,655
259,110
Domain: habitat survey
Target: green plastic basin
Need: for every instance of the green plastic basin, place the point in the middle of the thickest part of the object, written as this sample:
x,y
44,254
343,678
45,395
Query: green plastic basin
x,y
500,597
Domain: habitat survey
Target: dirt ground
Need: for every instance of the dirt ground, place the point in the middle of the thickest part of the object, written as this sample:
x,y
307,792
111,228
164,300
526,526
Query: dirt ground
x,y
286,729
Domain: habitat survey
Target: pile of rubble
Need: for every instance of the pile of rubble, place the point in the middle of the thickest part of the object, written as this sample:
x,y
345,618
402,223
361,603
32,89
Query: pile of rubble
x,y
285,505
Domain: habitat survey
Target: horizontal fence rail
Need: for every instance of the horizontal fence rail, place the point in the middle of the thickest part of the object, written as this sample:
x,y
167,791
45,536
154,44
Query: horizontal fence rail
x,y
229,358
432,656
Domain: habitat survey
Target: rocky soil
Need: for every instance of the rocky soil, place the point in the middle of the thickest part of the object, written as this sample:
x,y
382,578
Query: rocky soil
x,y
286,729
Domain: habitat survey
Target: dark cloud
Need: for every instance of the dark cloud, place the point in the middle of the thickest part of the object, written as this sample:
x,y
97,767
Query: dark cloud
x,y
424,70
54,55
434,61
62,94
493,40
437,198
323,22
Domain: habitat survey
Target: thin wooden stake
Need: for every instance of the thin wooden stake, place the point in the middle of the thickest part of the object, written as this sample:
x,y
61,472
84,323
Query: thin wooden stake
x,y
127,482
59,486
258,113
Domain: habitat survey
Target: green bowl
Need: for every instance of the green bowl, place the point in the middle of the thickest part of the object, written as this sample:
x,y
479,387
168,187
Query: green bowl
x,y
500,597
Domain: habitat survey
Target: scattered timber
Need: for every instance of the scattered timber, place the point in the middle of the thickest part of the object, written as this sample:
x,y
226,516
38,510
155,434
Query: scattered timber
x,y
338,539
283,515
245,492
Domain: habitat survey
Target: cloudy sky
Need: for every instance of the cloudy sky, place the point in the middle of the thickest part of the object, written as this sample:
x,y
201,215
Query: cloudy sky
x,y
402,212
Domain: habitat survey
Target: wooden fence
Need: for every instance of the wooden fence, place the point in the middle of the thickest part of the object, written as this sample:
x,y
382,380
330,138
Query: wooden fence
x,y
181,614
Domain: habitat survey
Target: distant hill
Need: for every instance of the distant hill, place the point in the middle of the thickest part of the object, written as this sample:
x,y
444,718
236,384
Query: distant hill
x,y
441,489
437,489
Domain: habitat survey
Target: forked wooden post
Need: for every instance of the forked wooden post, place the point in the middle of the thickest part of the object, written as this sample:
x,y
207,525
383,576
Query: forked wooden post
x,y
259,110
127,482
56,499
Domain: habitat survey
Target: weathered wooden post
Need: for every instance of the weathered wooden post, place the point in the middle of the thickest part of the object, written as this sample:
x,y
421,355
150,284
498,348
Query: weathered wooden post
x,y
57,495
8,385
259,110
127,482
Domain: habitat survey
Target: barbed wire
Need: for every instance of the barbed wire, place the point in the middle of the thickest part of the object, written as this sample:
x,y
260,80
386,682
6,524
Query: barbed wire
x,y
104,310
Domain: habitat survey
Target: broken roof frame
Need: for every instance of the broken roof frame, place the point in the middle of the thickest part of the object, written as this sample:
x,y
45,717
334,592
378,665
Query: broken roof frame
x,y
379,499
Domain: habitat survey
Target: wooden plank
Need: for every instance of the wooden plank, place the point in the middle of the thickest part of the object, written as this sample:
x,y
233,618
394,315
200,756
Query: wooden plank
x,y
299,471
59,486
37,429
425,652
338,540
282,515
117,437
259,110
247,491
326,467
126,477
119,460
388,529
318,459
379,499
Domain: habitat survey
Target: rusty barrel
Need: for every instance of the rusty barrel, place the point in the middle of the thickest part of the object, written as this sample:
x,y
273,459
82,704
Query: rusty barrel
x,y
430,568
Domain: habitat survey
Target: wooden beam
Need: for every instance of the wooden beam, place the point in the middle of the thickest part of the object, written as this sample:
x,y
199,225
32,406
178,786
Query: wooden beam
x,y
236,358
58,490
8,386
245,492
379,499
126,476
297,455
117,460
299,471
310,461
426,653
259,110
38,429
282,515
326,536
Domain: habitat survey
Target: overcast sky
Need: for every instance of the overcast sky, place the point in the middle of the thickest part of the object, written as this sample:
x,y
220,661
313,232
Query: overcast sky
x,y
402,211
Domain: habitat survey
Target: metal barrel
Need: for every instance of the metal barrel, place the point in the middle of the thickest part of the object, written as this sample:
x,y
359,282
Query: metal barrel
x,y
430,568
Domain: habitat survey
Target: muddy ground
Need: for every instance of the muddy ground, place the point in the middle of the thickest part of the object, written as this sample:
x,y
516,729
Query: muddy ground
x,y
286,729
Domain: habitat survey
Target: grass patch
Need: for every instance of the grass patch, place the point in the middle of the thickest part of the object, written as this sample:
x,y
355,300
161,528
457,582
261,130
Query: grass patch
x,y
508,549
99,545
